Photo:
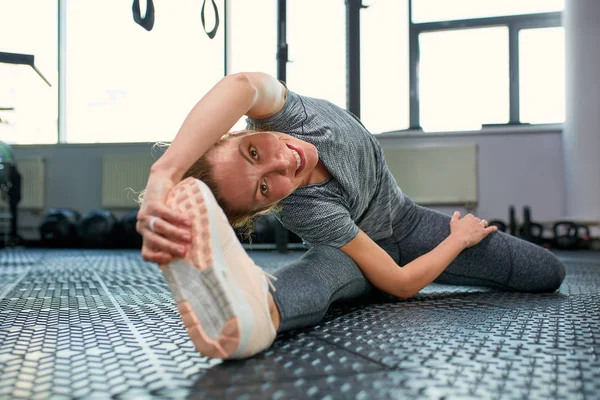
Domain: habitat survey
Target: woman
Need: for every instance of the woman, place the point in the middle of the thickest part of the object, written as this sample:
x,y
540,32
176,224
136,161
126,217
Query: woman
x,y
324,176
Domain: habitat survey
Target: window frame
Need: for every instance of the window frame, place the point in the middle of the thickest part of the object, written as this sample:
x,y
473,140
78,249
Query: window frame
x,y
514,23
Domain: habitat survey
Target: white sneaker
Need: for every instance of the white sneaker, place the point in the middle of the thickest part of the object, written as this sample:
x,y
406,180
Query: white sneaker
x,y
221,293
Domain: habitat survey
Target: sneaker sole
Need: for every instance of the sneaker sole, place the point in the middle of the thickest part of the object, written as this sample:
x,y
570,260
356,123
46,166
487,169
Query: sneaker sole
x,y
212,307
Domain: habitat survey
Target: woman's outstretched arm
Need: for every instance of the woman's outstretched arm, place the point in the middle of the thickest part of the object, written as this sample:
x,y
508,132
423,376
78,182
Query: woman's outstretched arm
x,y
252,93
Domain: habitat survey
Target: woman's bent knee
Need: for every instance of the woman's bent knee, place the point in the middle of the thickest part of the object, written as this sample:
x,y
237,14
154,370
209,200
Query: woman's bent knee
x,y
555,273
534,269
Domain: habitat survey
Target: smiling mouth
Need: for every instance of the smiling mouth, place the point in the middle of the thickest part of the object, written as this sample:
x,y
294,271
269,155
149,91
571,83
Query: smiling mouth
x,y
299,156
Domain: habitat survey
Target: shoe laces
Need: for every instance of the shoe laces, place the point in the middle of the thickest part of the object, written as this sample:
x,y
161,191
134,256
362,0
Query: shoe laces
x,y
270,278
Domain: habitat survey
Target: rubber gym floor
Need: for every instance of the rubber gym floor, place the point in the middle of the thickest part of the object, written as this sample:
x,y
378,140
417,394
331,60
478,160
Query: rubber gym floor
x,y
103,324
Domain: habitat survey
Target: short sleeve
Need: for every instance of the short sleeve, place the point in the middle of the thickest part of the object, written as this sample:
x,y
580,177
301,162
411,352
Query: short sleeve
x,y
291,117
318,220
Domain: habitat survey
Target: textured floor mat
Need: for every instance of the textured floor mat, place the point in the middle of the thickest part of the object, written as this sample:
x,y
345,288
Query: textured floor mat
x,y
103,324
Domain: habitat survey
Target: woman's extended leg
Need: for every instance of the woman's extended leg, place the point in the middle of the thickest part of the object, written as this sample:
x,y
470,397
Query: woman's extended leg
x,y
223,296
306,288
500,260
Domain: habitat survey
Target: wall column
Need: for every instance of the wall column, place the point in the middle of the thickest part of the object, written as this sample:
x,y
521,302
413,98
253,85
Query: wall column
x,y
581,137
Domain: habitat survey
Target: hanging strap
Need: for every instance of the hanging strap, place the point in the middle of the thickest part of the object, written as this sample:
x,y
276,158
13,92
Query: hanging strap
x,y
148,21
212,33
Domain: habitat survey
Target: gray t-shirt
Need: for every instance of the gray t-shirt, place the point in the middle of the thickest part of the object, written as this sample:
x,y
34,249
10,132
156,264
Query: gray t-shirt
x,y
362,192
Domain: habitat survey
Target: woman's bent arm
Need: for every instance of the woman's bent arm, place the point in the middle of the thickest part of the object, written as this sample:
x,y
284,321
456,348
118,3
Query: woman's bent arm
x,y
383,272
253,94
405,282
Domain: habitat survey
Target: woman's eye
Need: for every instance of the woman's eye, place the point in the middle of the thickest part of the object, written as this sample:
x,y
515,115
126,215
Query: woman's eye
x,y
263,188
253,152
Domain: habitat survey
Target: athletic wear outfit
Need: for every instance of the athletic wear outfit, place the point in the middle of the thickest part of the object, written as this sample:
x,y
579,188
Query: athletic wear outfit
x,y
361,194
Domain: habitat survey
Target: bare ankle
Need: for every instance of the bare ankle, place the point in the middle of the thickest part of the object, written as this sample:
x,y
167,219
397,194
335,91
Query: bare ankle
x,y
274,311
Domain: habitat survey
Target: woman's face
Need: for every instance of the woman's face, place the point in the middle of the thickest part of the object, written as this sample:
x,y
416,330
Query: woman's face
x,y
257,170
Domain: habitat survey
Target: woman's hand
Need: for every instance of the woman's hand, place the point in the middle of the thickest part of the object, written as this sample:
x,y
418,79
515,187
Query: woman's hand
x,y
166,232
469,230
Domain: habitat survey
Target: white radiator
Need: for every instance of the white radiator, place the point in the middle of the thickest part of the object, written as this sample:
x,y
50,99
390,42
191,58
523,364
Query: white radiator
x,y
33,173
436,174
123,178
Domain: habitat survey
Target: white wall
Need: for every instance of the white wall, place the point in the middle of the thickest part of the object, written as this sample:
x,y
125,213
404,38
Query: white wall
x,y
517,168
514,168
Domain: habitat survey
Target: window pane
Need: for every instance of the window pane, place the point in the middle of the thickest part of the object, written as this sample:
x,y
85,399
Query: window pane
x,y
542,75
253,27
464,78
446,10
29,27
384,67
125,84
317,48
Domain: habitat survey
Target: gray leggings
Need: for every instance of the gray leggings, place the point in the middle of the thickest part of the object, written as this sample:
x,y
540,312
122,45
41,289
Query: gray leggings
x,y
324,275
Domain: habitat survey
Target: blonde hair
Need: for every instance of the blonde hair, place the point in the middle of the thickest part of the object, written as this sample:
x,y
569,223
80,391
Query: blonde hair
x,y
202,169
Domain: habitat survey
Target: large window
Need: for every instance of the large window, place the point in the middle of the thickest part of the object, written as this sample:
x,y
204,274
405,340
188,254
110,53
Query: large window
x,y
384,88
463,76
474,63
125,84
317,49
450,65
28,105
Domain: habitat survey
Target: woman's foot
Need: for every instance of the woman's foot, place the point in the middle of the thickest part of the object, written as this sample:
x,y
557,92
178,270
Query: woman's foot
x,y
223,297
